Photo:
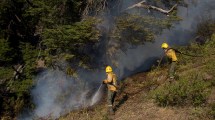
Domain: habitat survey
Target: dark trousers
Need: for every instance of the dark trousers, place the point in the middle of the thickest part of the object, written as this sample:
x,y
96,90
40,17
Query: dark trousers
x,y
111,97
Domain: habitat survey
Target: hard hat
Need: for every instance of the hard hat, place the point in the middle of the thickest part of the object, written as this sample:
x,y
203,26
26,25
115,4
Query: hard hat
x,y
164,46
108,69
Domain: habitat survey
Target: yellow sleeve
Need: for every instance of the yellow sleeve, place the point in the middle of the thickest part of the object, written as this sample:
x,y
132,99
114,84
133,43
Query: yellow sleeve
x,y
172,55
105,81
174,58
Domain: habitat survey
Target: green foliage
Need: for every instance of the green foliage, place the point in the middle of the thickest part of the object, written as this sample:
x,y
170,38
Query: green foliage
x,y
5,73
136,29
21,87
30,55
206,28
5,51
67,41
183,92
50,12
13,104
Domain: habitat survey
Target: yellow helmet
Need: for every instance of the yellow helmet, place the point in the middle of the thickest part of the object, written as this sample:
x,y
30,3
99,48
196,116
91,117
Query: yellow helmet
x,y
164,46
108,69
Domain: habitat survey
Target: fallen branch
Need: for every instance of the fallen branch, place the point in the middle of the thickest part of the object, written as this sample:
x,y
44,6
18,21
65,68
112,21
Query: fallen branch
x,y
143,4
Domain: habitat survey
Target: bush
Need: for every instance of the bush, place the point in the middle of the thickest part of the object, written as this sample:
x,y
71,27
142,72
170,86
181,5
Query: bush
x,y
184,92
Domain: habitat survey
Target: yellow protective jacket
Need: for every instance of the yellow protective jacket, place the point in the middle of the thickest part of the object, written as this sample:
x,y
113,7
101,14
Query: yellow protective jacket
x,y
170,53
111,81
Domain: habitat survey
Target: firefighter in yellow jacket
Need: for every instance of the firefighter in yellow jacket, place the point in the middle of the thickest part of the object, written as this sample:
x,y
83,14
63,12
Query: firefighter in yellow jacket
x,y
111,82
171,54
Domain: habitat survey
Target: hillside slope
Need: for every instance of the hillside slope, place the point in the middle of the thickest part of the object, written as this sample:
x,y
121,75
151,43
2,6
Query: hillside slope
x,y
138,97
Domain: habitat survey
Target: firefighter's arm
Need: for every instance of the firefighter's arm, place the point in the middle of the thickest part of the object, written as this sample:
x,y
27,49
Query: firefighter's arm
x,y
109,79
105,81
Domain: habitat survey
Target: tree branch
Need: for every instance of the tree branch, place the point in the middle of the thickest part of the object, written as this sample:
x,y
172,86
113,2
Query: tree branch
x,y
138,5
17,71
162,10
143,4
94,6
18,18
30,3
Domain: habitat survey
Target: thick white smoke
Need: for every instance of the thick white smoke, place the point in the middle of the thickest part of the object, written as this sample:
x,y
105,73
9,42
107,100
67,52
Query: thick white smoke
x,y
56,94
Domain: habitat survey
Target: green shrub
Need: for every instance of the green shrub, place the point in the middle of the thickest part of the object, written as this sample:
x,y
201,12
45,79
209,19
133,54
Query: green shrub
x,y
5,72
184,92
206,28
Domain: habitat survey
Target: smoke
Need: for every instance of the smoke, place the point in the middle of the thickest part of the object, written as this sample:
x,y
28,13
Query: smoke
x,y
144,56
56,93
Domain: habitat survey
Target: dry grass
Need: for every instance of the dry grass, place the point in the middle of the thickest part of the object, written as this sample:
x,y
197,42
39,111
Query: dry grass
x,y
133,104
133,100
